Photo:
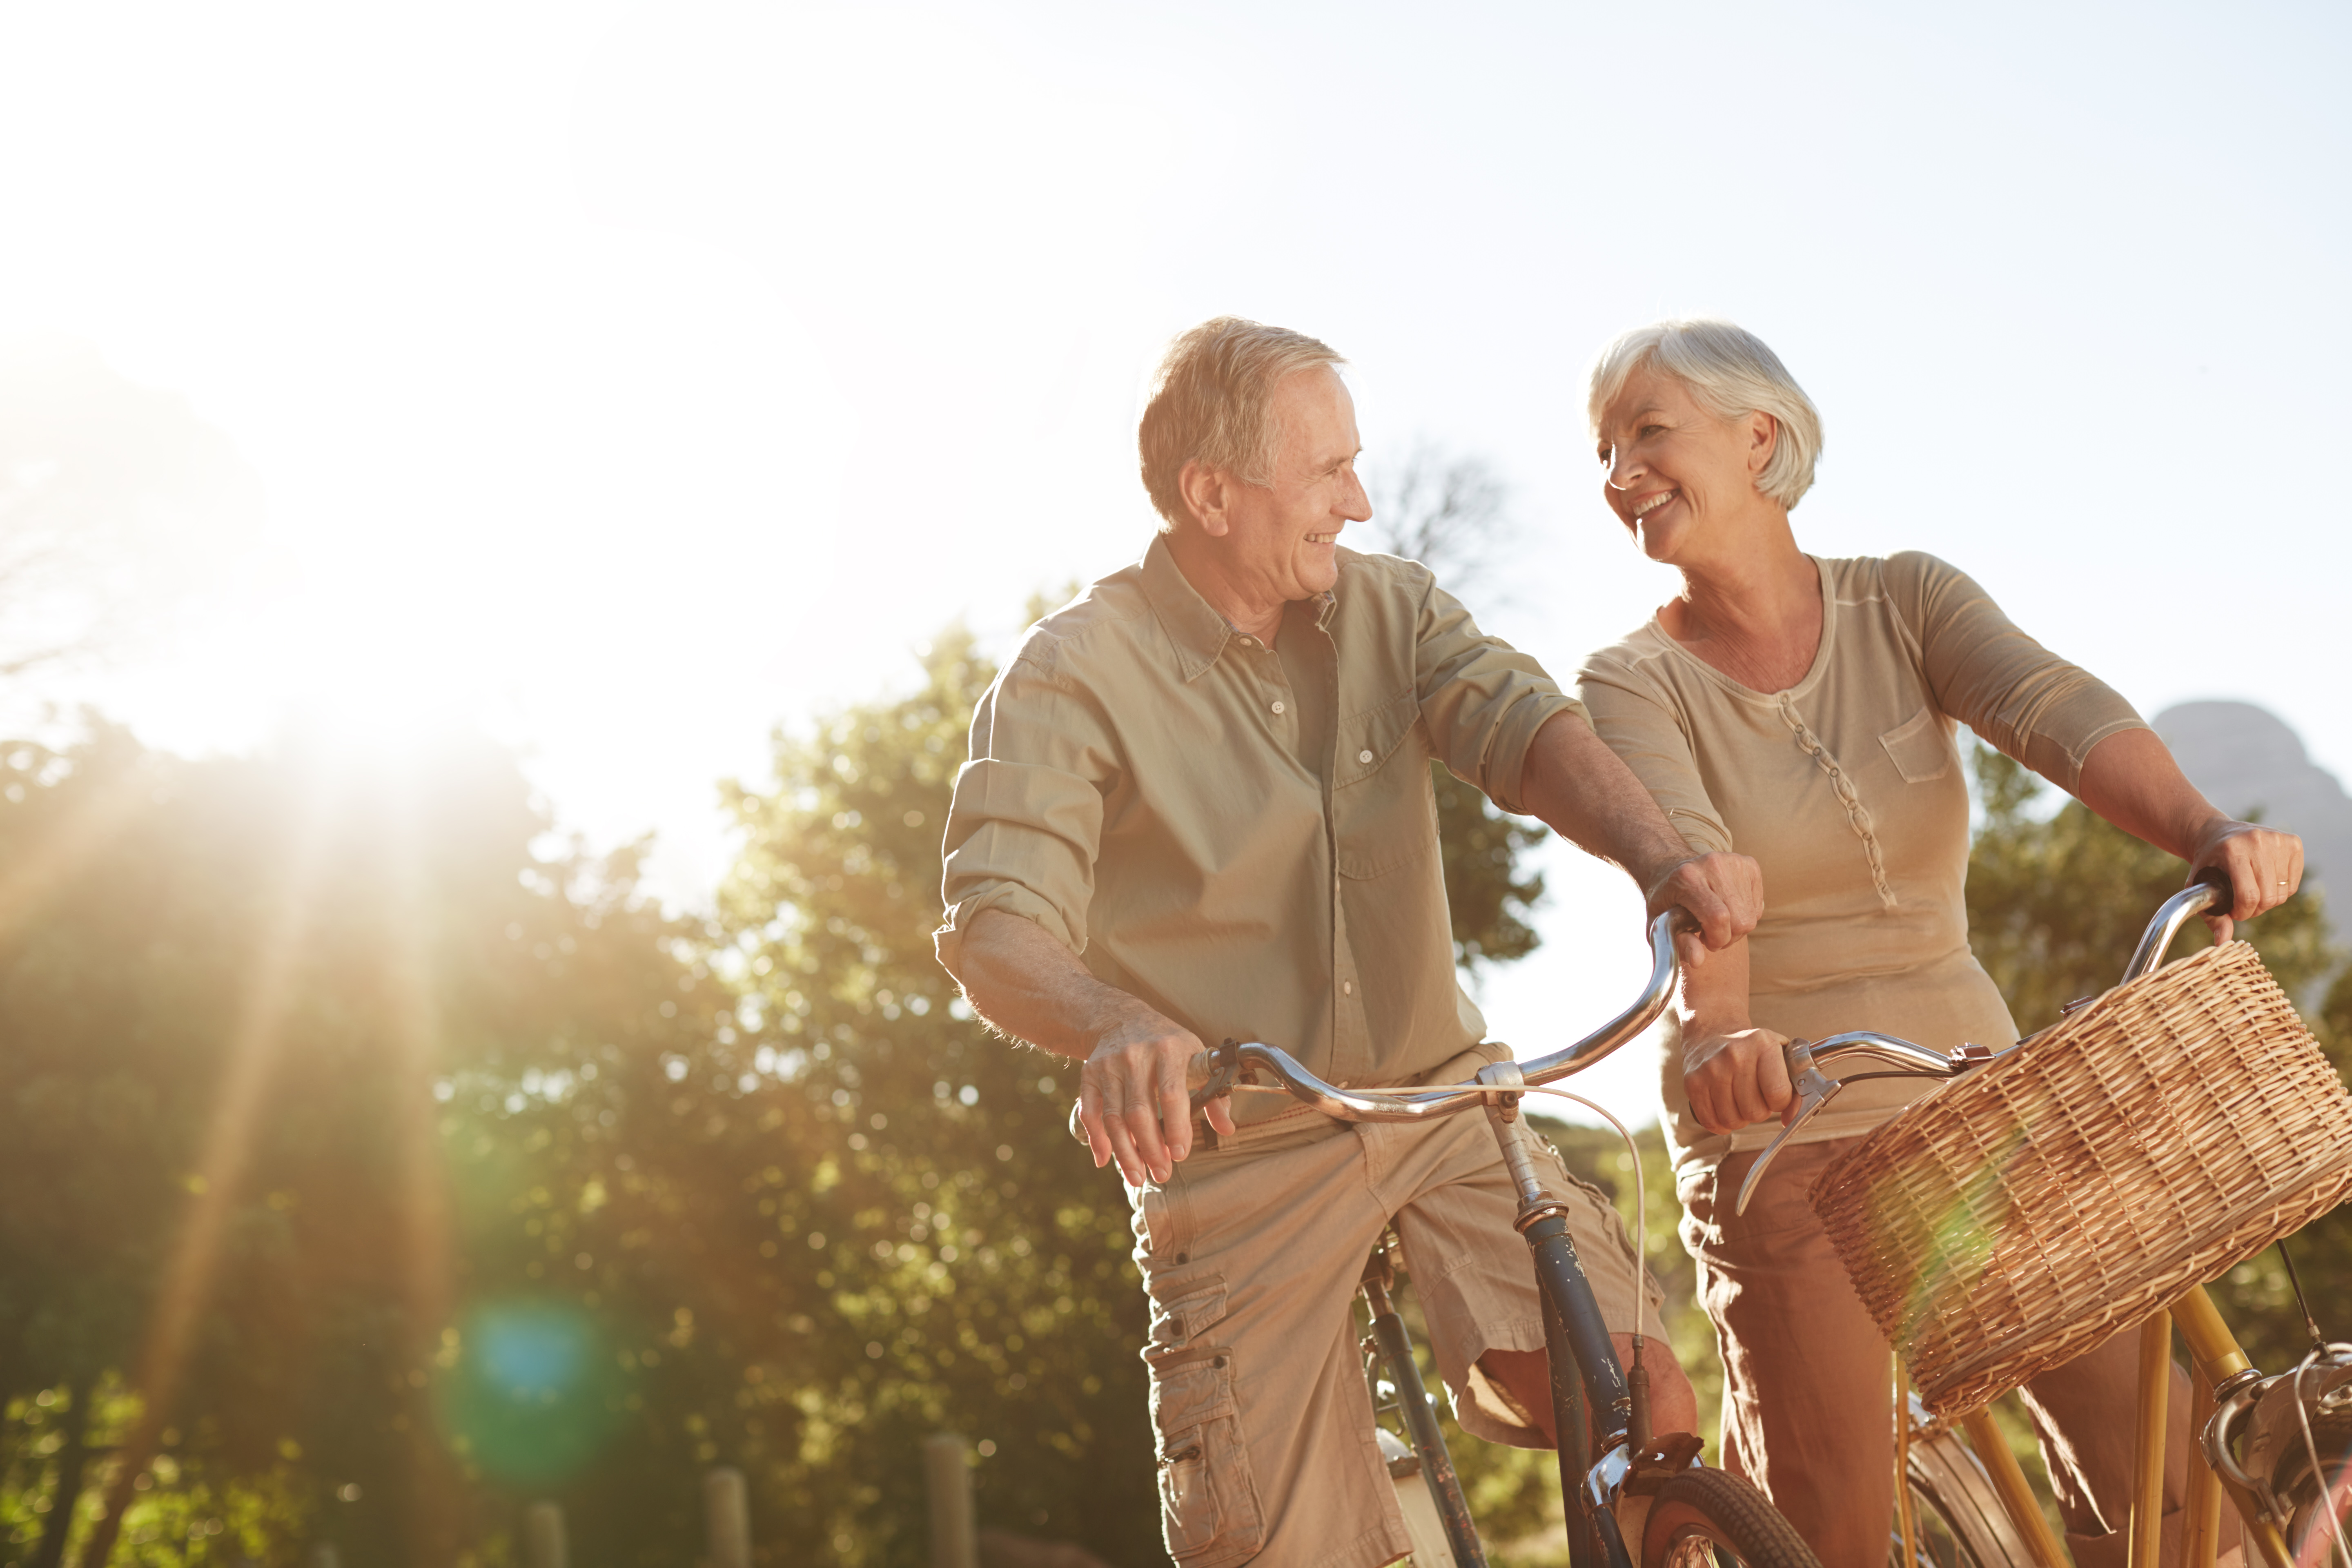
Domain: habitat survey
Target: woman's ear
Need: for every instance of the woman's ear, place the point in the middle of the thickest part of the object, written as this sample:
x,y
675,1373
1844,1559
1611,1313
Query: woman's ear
x,y
1203,489
1763,440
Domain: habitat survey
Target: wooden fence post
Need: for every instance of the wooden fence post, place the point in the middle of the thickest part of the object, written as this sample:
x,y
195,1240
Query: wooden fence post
x,y
542,1530
947,1476
727,1513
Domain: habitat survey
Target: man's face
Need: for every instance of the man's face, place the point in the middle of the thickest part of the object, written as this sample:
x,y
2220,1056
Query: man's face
x,y
1282,539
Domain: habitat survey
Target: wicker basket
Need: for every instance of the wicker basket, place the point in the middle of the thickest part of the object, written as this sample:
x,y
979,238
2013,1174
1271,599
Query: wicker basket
x,y
2018,1216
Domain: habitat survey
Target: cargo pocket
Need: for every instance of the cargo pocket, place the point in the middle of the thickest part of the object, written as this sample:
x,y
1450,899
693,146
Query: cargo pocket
x,y
1191,1309
1922,751
1208,1498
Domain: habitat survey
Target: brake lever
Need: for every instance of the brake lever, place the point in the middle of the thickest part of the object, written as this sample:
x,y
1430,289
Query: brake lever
x,y
1814,1089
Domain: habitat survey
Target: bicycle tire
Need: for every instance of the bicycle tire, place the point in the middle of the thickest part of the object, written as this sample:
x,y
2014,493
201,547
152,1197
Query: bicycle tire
x,y
1956,1515
1710,1518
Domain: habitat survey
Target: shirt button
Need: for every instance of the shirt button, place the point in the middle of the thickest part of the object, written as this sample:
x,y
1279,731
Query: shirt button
x,y
1278,708
1347,988
1364,756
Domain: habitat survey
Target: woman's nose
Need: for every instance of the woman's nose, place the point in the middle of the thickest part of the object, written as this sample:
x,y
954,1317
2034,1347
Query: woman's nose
x,y
1622,469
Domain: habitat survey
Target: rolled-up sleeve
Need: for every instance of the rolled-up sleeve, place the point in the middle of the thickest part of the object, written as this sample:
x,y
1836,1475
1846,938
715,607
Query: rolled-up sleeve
x,y
1650,739
2026,701
1025,824
1482,699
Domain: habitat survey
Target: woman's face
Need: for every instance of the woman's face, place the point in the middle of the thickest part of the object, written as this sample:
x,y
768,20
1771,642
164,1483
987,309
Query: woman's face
x,y
1680,479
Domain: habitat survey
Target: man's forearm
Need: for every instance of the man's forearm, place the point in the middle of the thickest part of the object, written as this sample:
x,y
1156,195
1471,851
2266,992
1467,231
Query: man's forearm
x,y
1033,988
1585,793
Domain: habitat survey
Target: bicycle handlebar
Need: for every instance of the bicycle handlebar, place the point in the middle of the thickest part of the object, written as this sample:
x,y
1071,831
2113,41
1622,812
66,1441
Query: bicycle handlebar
x,y
1233,1066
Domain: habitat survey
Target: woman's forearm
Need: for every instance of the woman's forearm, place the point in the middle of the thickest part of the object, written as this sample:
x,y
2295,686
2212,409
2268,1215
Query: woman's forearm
x,y
1714,998
2130,779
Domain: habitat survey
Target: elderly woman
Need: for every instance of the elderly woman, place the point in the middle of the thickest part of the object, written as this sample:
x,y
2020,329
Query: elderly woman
x,y
1801,710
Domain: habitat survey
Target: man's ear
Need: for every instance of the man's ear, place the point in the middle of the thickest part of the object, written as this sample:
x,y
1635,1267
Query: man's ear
x,y
1763,440
1205,492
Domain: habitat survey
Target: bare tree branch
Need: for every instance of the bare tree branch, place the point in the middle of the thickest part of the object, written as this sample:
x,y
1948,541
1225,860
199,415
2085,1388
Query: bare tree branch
x,y
117,503
1449,510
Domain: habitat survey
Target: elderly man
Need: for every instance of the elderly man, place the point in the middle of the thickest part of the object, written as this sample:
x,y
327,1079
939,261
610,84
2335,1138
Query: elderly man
x,y
1199,805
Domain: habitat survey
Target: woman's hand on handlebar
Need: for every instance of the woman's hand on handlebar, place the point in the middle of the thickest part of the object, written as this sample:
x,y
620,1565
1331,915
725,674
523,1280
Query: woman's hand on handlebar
x,y
1722,891
1735,1077
2265,866
1135,1099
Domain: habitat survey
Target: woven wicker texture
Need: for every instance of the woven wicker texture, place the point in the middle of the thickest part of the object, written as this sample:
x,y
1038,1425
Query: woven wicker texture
x,y
2016,1217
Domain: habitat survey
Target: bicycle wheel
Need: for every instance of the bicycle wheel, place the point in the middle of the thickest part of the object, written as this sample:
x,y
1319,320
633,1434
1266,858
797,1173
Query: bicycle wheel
x,y
1956,1516
1708,1519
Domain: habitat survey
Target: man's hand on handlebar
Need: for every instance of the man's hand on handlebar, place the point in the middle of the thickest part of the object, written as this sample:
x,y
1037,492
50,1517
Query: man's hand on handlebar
x,y
1737,1078
1134,1100
1723,891
2265,866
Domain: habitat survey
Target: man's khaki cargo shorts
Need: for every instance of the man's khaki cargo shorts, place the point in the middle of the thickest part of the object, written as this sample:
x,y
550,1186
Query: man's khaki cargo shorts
x,y
1251,1253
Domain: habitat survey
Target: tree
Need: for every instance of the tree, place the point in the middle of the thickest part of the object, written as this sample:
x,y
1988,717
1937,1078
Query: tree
x,y
1450,512
344,1026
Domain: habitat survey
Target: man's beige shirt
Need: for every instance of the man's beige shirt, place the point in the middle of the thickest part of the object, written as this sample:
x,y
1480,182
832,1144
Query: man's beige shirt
x,y
1245,837
1847,789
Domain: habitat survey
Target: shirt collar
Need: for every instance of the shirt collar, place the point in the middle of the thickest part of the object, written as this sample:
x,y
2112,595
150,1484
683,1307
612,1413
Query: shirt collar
x,y
1192,624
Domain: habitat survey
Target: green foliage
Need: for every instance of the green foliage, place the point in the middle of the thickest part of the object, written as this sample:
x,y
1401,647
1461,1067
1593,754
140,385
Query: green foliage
x,y
1481,847
938,1252
415,999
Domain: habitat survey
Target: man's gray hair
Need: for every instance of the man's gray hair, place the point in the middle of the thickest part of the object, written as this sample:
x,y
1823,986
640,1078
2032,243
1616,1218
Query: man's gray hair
x,y
1731,373
1211,404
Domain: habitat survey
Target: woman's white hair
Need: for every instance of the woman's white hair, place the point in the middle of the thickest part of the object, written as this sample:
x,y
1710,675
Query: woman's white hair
x,y
1732,373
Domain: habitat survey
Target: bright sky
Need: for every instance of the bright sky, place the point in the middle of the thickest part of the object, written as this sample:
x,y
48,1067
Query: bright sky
x,y
635,378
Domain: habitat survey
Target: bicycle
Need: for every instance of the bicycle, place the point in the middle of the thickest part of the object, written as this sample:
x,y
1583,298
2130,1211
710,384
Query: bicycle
x,y
1697,1517
2258,1437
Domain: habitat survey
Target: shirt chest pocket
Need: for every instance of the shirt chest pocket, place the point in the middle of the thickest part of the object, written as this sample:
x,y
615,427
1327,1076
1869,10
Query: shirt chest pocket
x,y
1921,750
1383,808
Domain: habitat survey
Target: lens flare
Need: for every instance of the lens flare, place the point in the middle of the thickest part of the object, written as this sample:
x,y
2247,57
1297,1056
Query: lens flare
x,y
536,1393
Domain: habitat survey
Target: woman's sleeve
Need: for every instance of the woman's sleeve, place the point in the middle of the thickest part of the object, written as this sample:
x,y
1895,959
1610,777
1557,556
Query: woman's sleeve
x,y
2020,696
1651,736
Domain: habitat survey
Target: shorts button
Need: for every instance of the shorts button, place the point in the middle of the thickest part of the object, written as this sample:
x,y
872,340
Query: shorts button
x,y
1364,756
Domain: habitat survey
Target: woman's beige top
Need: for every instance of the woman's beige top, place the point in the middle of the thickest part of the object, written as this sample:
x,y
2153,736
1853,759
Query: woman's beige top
x,y
1847,789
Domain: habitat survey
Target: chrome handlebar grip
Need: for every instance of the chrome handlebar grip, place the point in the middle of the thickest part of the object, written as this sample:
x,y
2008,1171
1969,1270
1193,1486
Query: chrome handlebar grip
x,y
2191,900
1869,1048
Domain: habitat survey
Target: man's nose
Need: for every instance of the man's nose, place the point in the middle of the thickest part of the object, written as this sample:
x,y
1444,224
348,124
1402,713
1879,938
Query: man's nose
x,y
1355,505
